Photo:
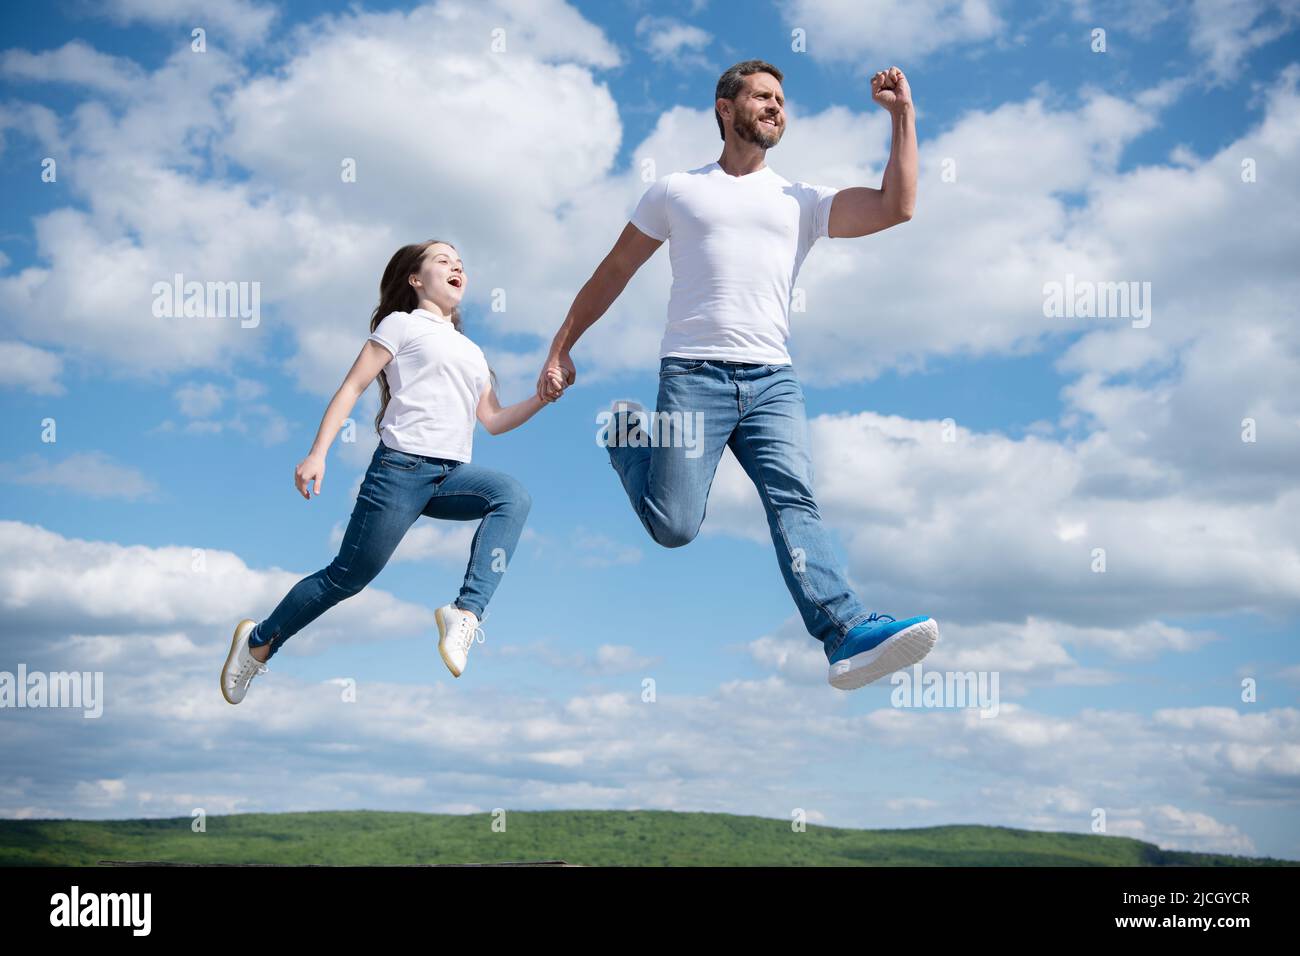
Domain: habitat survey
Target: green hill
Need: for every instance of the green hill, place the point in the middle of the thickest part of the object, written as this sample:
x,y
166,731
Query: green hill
x,y
591,837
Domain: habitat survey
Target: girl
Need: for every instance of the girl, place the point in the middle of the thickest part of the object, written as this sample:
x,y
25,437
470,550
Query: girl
x,y
433,383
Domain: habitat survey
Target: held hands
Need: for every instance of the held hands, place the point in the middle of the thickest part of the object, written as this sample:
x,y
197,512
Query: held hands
x,y
311,468
889,88
557,374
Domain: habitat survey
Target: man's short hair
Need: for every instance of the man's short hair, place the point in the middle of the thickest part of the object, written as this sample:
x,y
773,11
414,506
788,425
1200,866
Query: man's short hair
x,y
731,82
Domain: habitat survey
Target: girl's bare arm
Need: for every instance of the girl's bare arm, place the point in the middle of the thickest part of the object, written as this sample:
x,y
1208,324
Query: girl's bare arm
x,y
372,358
497,419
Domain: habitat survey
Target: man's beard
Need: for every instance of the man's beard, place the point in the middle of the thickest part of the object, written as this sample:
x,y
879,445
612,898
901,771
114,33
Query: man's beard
x,y
752,132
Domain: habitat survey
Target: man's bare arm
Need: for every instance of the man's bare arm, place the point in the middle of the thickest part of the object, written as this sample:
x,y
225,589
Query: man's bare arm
x,y
861,210
593,300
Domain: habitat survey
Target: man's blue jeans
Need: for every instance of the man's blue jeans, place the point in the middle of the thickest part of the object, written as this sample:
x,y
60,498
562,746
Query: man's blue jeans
x,y
758,412
398,488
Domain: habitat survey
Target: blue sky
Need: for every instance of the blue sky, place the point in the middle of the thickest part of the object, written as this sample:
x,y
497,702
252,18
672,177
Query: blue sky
x,y
1120,691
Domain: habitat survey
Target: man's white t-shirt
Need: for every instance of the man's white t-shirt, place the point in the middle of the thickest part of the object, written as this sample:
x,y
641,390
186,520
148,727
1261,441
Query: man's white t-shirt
x,y
436,377
736,244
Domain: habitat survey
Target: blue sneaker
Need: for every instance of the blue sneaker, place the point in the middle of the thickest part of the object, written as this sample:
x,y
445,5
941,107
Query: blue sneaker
x,y
877,647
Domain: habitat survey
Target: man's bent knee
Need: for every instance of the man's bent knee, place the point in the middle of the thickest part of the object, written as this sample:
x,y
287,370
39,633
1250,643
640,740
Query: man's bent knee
x,y
672,535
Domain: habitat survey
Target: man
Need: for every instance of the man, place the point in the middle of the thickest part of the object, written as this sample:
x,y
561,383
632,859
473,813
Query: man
x,y
737,234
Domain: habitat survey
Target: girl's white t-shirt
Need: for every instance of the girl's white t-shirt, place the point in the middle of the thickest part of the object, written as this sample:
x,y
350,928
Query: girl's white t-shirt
x,y
436,377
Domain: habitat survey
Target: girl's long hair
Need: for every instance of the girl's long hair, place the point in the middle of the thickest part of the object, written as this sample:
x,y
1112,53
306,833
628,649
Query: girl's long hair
x,y
397,295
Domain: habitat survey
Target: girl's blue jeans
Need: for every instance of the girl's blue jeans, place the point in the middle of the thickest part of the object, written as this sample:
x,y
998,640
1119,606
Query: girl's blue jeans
x,y
398,488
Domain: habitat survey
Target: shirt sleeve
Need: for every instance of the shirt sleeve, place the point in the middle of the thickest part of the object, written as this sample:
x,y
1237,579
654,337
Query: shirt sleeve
x,y
391,332
818,200
651,214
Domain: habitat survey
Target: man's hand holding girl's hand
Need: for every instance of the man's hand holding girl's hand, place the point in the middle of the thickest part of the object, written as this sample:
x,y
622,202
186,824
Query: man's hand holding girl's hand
x,y
557,374
554,383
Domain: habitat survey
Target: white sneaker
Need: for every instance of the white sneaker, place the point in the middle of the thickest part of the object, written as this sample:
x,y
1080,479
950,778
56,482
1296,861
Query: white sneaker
x,y
457,630
241,666
635,414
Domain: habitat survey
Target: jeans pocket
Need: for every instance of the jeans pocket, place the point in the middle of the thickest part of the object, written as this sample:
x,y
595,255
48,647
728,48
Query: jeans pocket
x,y
679,366
400,459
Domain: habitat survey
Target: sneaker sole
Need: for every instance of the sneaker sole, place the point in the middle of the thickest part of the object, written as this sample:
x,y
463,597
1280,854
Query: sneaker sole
x,y
241,631
442,637
901,650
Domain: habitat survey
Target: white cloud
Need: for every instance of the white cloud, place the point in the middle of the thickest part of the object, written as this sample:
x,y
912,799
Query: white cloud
x,y
608,660
52,586
965,277
1118,759
1136,16
1220,33
791,653
227,23
1224,33
1033,653
34,370
75,63
199,401
910,804
93,474
669,39
1062,808
897,33
968,528
151,202
742,747
427,540
592,549
1171,825
1006,220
